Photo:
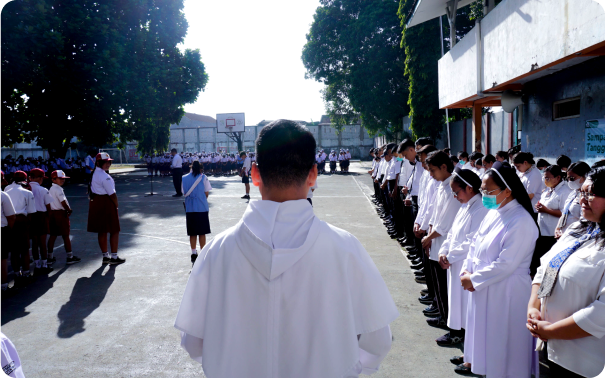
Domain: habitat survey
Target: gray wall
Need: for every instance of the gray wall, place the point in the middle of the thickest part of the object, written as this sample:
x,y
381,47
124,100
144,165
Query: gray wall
x,y
548,139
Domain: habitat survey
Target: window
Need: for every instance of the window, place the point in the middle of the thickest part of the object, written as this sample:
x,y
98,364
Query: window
x,y
565,109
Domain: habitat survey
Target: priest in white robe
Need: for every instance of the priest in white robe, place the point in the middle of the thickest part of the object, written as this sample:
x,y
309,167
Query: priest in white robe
x,y
282,293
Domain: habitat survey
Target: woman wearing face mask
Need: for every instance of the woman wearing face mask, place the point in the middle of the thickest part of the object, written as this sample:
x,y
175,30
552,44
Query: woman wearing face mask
x,y
576,174
567,304
530,177
541,164
549,209
465,187
496,273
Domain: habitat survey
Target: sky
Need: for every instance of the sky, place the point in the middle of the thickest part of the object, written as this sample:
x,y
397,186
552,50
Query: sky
x,y
252,54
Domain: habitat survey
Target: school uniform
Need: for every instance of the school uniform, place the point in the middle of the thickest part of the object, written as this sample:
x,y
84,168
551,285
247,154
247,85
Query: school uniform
x,y
445,210
246,170
497,342
333,159
40,219
411,175
59,223
553,198
8,210
294,310
177,173
196,204
24,204
572,211
533,183
102,212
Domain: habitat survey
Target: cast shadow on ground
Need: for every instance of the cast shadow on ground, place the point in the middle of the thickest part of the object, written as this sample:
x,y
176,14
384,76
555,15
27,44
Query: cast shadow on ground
x,y
14,308
87,295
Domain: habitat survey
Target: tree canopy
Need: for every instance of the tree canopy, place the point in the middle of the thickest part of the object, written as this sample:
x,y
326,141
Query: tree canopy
x,y
353,47
95,70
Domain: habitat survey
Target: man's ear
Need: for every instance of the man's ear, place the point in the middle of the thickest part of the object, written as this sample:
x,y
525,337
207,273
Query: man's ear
x,y
255,175
312,178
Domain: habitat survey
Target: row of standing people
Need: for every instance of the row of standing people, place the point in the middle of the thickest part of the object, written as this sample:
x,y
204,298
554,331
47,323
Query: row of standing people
x,y
472,241
30,212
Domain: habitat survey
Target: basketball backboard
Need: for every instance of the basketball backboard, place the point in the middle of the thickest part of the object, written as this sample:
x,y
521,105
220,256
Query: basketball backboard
x,y
230,123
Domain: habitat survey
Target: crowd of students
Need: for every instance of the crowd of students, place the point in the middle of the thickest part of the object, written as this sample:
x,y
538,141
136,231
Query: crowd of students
x,y
75,168
511,252
214,164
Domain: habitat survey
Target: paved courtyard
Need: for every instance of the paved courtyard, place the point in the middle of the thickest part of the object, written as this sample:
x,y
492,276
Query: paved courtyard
x,y
89,320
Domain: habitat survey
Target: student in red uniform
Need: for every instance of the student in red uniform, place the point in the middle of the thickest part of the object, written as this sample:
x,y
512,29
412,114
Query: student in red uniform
x,y
39,223
103,209
59,224
23,202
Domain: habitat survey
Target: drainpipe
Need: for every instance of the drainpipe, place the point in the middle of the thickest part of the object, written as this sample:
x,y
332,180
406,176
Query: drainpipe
x,y
447,118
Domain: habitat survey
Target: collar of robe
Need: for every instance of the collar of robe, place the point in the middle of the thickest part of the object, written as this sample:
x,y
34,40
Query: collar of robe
x,y
274,236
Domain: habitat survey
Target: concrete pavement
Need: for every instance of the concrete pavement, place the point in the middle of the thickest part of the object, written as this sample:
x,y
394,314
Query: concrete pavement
x,y
87,320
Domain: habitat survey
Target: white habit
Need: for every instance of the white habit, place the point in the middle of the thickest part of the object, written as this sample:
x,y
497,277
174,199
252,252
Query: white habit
x,y
455,248
446,208
283,294
497,342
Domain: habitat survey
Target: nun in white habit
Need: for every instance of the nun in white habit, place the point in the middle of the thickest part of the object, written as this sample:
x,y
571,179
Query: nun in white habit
x,y
282,293
465,187
496,273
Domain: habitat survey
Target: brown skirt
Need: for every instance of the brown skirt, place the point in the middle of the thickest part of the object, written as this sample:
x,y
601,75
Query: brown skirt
x,y
103,215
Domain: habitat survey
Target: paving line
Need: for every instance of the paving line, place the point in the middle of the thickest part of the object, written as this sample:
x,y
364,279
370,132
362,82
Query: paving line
x,y
148,236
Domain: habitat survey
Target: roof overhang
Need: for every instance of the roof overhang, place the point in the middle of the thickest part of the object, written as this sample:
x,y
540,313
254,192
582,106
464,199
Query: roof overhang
x,y
426,10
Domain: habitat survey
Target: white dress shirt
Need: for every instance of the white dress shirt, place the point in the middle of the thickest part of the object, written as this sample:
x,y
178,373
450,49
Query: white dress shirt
x,y
532,180
22,199
405,171
7,208
57,195
414,181
554,199
177,162
41,196
102,183
444,213
393,169
579,292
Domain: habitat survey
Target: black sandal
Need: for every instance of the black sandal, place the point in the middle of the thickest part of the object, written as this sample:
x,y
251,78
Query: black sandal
x,y
457,360
461,369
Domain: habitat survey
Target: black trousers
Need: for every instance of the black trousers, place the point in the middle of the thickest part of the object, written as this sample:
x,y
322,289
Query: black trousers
x,y
428,274
543,245
417,242
177,179
439,276
399,216
558,371
391,185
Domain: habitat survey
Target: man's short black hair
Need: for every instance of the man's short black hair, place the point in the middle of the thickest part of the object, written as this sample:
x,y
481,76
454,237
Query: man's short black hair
x,y
392,147
489,158
173,150
405,145
285,153
424,141
563,161
242,153
462,154
438,158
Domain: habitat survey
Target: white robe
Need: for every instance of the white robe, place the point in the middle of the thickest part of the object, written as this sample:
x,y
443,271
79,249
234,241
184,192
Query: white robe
x,y
444,213
283,294
497,342
456,248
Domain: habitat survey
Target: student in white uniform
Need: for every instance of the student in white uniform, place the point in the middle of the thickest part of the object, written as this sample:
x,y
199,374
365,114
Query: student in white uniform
x,y
550,208
465,187
530,177
103,215
40,227
567,304
576,175
284,294
8,221
245,173
496,273
59,224
24,204
446,207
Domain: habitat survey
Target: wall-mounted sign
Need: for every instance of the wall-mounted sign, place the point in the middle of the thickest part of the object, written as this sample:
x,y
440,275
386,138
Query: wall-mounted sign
x,y
594,140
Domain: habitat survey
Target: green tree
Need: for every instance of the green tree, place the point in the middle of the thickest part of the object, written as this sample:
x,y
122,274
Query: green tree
x,y
353,48
91,70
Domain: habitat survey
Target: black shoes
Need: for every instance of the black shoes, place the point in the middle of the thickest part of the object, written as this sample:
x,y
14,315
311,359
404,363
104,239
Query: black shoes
x,y
73,260
116,261
247,196
437,322
193,258
106,260
51,261
463,370
425,299
449,340
420,279
457,360
42,271
431,311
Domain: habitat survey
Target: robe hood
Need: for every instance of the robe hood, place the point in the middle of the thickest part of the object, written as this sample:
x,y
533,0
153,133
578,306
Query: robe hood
x,y
275,235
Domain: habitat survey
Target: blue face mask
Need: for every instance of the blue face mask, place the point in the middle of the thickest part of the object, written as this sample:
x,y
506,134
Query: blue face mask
x,y
490,202
399,159
461,162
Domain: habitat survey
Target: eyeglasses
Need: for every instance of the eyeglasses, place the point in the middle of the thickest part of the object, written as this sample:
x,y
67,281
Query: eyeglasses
x,y
587,196
456,193
486,193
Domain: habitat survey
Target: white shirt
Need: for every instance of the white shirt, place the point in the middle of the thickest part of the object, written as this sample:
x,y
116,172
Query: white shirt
x,y
579,292
393,169
554,200
57,195
575,210
430,196
41,196
284,295
532,180
177,162
333,158
7,208
405,171
414,182
247,166
446,208
22,199
102,183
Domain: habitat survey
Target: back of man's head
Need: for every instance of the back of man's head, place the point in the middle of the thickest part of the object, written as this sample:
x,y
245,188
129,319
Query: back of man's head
x,y
424,141
285,153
